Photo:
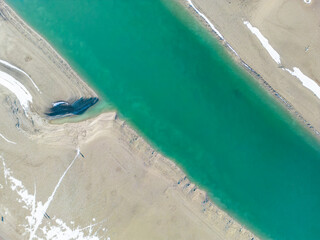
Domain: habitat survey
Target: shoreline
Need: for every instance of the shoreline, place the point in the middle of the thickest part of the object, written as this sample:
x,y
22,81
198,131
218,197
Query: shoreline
x,y
41,43
188,190
45,46
205,21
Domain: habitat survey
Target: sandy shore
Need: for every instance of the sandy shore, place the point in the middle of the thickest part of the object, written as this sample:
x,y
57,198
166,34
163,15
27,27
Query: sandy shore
x,y
95,179
276,41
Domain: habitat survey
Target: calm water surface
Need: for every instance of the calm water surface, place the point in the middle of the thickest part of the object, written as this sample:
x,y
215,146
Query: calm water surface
x,y
172,81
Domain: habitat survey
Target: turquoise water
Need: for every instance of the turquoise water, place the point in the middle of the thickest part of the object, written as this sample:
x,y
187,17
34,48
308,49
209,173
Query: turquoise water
x,y
173,82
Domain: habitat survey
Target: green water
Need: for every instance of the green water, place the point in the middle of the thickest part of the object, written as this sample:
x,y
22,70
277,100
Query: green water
x,y
173,82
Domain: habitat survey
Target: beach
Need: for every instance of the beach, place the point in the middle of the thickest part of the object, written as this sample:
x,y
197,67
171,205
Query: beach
x,y
95,179
276,42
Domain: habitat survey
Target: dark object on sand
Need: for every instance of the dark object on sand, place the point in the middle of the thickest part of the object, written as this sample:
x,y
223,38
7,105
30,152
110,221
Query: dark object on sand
x,y
62,108
47,216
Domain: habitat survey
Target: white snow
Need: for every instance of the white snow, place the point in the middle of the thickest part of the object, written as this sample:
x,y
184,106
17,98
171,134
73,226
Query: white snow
x,y
306,81
19,70
231,48
40,214
63,232
206,19
58,103
6,139
264,41
307,1
17,88
55,229
16,185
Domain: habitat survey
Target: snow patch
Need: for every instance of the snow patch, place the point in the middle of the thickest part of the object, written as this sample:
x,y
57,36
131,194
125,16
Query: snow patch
x,y
231,48
17,88
41,211
264,41
58,103
19,70
62,232
306,81
6,139
55,229
206,19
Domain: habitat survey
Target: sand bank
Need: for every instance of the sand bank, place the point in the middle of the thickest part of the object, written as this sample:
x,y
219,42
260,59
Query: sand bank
x,y
95,179
276,41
